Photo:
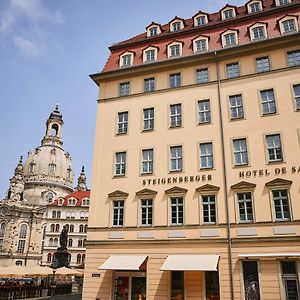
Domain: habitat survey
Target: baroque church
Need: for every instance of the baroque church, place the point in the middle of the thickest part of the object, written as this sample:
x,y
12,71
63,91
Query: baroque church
x,y
45,175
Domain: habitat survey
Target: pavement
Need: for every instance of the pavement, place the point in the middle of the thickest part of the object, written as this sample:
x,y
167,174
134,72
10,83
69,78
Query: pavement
x,y
60,297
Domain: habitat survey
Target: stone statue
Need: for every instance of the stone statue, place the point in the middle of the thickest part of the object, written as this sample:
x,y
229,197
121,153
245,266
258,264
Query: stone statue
x,y
63,239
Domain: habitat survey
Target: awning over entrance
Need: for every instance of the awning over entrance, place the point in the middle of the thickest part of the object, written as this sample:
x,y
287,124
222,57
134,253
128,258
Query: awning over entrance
x,y
191,262
270,255
123,262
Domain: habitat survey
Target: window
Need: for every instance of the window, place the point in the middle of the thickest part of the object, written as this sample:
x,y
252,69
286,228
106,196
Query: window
x,y
146,212
153,31
282,2
290,281
262,64
245,207
293,58
230,39
274,148
268,102
2,229
21,246
177,285
80,228
57,228
240,152
150,55
149,84
122,122
176,158
79,243
228,14
232,70
52,228
202,75
78,258
201,45
58,215
204,115
212,285
175,115
126,60
236,107
201,20
175,80
118,212
31,168
206,156
255,7
176,210
120,164
1,245
176,26
124,88
147,161
258,33
296,89
54,214
71,228
148,122
174,50
289,26
71,202
251,283
70,242
52,169
83,258
23,231
281,205
51,242
49,257
209,209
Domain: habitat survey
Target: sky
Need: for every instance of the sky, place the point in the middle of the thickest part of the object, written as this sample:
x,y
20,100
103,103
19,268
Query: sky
x,y
47,51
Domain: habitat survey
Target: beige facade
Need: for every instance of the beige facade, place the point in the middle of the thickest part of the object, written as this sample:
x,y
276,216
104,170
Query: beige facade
x,y
216,173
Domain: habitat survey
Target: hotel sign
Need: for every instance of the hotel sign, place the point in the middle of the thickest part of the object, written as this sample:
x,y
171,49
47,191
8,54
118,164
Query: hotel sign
x,y
268,172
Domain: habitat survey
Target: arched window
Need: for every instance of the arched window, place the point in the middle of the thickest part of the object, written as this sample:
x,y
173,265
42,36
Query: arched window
x,y
71,229
49,257
58,214
54,214
52,227
70,243
85,228
51,242
86,215
83,258
2,229
23,231
81,228
54,130
57,228
19,263
79,243
78,258
67,227
55,242
52,169
84,242
31,168
82,215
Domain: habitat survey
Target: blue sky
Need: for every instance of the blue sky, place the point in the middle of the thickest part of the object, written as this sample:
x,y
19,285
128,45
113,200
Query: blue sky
x,y
48,49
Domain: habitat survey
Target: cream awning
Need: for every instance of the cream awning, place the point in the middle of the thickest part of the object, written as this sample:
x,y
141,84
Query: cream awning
x,y
266,255
123,262
191,262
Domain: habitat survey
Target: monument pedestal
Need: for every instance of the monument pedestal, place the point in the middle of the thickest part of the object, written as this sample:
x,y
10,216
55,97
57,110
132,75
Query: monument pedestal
x,y
61,258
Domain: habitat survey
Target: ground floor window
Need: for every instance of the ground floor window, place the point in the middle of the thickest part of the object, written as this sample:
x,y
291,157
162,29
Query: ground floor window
x,y
251,281
177,285
129,287
212,286
290,280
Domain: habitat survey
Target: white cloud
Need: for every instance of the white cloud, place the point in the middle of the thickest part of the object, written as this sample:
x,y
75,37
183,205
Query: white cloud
x,y
28,47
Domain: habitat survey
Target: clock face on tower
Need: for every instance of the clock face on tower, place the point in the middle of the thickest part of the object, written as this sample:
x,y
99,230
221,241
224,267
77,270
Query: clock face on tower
x,y
4,211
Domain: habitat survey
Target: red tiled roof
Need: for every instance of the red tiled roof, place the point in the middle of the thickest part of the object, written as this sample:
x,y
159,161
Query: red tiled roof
x,y
79,195
213,29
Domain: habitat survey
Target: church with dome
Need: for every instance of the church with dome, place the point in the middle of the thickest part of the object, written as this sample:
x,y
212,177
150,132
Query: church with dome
x,y
45,176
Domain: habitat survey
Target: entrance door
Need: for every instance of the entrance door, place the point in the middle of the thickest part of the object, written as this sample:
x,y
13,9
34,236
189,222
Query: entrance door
x,y
290,279
138,288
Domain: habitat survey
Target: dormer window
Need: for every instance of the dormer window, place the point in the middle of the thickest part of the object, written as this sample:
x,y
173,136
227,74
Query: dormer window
x,y
126,59
282,2
175,49
176,24
229,38
288,24
258,31
254,7
150,54
85,202
228,14
72,202
200,44
200,21
153,29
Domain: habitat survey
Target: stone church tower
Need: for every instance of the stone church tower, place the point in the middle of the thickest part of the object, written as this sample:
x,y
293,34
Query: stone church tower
x,y
46,174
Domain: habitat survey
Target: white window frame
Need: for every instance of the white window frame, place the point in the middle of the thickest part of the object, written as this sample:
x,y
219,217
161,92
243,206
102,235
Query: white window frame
x,y
204,111
148,120
244,201
292,62
258,25
203,39
288,198
148,160
223,38
145,54
267,102
226,9
177,158
200,75
236,109
231,70
120,206
176,116
196,17
121,60
277,2
176,205
122,91
149,28
170,47
288,18
296,96
176,77
122,122
207,155
277,156
147,208
120,163
262,65
181,26
209,204
242,152
251,3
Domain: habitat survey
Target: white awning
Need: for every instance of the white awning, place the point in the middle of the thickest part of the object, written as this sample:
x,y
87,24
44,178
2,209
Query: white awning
x,y
191,262
266,255
123,262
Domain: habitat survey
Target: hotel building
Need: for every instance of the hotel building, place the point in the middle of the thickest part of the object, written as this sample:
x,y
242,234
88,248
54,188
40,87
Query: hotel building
x,y
195,185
